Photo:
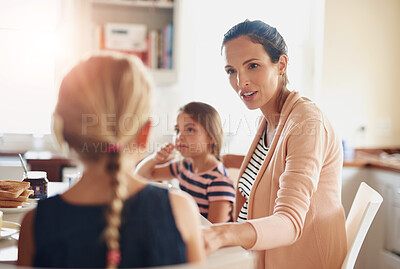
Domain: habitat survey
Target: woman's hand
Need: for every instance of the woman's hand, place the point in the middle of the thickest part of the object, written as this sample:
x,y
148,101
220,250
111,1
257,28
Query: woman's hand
x,y
162,155
212,238
229,234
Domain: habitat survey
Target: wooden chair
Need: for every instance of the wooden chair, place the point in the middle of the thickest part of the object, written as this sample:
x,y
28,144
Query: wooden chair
x,y
232,163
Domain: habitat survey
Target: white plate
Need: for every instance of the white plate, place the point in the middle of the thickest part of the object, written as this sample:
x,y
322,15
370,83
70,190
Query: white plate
x,y
25,207
8,229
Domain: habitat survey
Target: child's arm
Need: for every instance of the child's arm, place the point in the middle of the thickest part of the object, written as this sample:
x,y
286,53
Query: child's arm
x,y
26,248
219,211
187,219
156,166
221,196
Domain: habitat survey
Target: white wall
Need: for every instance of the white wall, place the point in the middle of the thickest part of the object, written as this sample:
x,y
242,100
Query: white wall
x,y
360,74
202,24
355,87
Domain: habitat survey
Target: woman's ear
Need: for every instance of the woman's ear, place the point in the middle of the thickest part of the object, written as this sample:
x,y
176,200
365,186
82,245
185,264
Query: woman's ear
x,y
143,135
283,60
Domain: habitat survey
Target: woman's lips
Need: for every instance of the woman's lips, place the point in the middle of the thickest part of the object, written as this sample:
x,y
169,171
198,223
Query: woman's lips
x,y
248,95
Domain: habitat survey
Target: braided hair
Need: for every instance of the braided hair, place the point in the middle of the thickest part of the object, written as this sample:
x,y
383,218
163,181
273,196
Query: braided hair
x,y
103,102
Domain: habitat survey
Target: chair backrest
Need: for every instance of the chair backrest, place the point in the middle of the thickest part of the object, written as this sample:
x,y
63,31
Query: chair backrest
x,y
363,210
233,163
233,174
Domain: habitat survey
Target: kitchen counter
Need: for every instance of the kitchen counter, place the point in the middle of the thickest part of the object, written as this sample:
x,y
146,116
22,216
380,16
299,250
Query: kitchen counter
x,y
50,162
385,159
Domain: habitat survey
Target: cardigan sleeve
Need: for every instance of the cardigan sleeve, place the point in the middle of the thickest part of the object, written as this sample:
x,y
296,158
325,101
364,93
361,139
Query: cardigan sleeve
x,y
305,153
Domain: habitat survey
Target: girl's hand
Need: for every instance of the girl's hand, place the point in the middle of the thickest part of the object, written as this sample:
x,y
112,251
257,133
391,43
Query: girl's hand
x,y
162,155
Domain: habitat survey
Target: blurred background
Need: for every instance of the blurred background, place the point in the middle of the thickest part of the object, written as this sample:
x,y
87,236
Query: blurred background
x,y
342,54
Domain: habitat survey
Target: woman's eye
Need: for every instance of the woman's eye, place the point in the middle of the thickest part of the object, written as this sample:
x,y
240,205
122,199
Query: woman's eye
x,y
176,131
230,71
190,130
253,65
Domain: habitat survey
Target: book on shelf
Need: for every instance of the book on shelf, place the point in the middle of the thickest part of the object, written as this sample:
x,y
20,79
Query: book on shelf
x,y
167,46
153,47
159,48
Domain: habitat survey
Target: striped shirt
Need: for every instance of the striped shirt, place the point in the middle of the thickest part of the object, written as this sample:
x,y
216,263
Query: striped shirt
x,y
210,186
246,181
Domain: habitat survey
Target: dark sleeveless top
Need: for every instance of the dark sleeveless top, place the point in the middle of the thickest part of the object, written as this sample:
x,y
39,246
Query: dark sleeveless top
x,y
68,235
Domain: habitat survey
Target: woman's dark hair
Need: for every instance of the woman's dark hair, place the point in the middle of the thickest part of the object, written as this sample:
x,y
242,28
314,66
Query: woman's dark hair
x,y
264,34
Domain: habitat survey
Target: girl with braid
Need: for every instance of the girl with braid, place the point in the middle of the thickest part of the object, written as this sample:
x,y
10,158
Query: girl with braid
x,y
109,218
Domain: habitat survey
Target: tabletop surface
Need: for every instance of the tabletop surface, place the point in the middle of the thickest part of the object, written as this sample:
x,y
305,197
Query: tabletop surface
x,y
9,250
8,246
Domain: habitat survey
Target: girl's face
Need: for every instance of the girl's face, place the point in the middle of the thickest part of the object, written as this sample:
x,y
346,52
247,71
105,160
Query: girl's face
x,y
191,139
251,73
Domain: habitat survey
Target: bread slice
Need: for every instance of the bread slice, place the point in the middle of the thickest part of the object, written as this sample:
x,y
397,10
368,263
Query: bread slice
x,y
10,204
24,196
12,189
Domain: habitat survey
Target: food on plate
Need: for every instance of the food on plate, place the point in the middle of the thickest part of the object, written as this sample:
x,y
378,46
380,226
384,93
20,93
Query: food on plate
x,y
24,196
12,189
10,204
14,193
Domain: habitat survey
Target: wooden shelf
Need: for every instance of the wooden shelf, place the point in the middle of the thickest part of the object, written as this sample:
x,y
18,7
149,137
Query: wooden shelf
x,y
154,14
136,3
164,76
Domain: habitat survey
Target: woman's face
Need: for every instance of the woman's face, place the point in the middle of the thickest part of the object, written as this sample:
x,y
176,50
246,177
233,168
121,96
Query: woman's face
x,y
191,139
251,73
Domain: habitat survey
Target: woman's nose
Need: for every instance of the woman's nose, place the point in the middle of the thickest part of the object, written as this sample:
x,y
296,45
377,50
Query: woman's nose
x,y
242,80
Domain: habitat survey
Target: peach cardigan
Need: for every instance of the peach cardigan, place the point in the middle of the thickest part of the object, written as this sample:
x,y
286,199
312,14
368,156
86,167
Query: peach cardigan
x,y
295,203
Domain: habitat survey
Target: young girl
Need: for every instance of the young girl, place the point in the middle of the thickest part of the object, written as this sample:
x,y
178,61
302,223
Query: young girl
x,y
110,217
200,173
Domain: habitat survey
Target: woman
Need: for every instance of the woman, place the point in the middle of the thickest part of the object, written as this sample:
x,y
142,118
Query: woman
x,y
109,217
288,203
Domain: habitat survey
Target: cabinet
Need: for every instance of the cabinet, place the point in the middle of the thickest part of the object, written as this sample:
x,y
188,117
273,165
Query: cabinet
x,y
381,242
94,15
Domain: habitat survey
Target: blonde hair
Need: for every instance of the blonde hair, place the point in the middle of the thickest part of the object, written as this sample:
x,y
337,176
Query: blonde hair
x,y
209,118
103,102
